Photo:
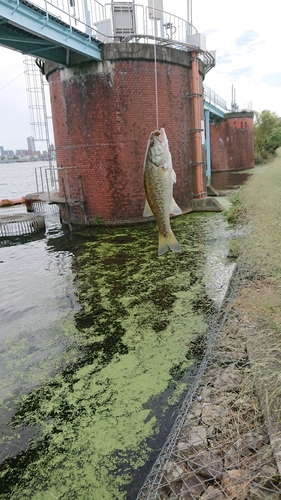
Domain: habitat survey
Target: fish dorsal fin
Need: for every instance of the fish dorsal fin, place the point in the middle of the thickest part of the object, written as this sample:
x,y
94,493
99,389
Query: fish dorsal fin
x,y
174,208
174,176
147,210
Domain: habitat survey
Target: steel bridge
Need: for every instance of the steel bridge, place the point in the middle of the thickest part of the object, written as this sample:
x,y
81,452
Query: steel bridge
x,y
61,30
47,31
68,32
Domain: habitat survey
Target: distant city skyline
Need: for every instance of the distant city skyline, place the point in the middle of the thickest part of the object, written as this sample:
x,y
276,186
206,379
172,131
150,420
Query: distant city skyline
x,y
30,151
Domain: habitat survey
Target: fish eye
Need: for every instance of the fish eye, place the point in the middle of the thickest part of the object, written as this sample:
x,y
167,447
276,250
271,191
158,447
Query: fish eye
x,y
152,142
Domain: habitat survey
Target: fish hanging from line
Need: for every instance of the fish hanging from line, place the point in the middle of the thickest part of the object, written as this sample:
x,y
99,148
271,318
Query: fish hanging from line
x,y
159,177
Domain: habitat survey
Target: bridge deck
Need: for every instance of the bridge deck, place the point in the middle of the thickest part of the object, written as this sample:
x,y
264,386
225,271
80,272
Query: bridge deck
x,y
27,28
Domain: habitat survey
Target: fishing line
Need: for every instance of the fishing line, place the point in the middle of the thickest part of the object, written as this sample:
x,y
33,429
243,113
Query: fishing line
x,y
11,81
155,70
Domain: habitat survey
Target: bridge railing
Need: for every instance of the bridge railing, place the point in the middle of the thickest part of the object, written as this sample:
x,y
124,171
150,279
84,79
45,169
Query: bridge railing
x,y
76,14
125,19
241,106
120,21
212,98
115,20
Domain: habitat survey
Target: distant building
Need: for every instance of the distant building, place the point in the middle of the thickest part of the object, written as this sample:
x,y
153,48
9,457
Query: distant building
x,y
22,152
30,144
52,152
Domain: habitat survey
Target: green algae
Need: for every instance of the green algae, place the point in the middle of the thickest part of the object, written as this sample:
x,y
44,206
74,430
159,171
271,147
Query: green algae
x,y
124,366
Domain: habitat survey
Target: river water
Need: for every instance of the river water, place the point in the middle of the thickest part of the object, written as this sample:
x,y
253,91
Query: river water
x,y
97,347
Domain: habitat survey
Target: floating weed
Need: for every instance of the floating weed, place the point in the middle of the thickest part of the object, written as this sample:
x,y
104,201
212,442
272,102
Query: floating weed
x,y
125,362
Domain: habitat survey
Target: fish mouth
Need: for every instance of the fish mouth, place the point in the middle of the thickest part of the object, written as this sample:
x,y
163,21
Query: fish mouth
x,y
156,136
155,133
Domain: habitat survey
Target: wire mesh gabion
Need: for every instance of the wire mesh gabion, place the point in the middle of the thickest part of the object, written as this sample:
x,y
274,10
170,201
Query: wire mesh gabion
x,y
218,448
18,224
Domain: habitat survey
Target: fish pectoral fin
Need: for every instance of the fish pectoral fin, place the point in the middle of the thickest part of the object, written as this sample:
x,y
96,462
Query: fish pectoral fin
x,y
147,210
166,242
174,208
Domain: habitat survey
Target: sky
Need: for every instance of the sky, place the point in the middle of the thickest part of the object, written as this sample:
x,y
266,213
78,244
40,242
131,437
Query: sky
x,y
243,33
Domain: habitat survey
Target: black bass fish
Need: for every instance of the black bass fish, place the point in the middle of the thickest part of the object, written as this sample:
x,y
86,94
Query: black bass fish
x,y
159,177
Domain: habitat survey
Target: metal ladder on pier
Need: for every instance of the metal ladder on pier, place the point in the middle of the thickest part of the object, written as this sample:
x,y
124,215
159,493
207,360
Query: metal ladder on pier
x,y
63,186
73,192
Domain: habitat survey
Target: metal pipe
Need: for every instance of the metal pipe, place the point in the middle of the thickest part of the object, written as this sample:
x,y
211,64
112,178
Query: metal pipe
x,y
199,191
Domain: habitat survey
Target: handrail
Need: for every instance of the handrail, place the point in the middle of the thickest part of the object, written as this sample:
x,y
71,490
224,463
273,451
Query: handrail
x,y
63,12
212,98
88,16
119,22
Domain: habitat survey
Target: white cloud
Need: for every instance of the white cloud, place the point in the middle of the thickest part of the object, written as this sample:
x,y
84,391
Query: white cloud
x,y
273,79
14,121
245,36
15,103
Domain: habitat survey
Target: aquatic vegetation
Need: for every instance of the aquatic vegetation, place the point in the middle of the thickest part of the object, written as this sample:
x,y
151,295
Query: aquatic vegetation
x,y
233,213
96,420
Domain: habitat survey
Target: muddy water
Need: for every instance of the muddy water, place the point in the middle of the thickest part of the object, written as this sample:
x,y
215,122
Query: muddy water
x,y
98,344
228,180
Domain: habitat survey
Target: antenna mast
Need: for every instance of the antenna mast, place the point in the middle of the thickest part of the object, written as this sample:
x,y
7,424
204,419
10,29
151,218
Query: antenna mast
x,y
189,11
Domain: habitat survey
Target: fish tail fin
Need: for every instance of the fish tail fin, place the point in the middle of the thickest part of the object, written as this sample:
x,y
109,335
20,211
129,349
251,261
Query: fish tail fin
x,y
166,242
162,244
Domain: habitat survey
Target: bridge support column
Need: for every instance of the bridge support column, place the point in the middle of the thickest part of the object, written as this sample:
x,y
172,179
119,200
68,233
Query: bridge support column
x,y
208,147
232,142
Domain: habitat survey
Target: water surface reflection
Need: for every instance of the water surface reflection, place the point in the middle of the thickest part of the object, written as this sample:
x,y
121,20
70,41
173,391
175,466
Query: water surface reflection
x,y
224,181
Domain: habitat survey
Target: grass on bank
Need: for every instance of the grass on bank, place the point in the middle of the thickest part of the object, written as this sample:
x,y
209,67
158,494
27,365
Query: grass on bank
x,y
257,207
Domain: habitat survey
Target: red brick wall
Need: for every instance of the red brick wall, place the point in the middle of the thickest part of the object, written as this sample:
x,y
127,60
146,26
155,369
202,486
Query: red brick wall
x,y
103,114
232,142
